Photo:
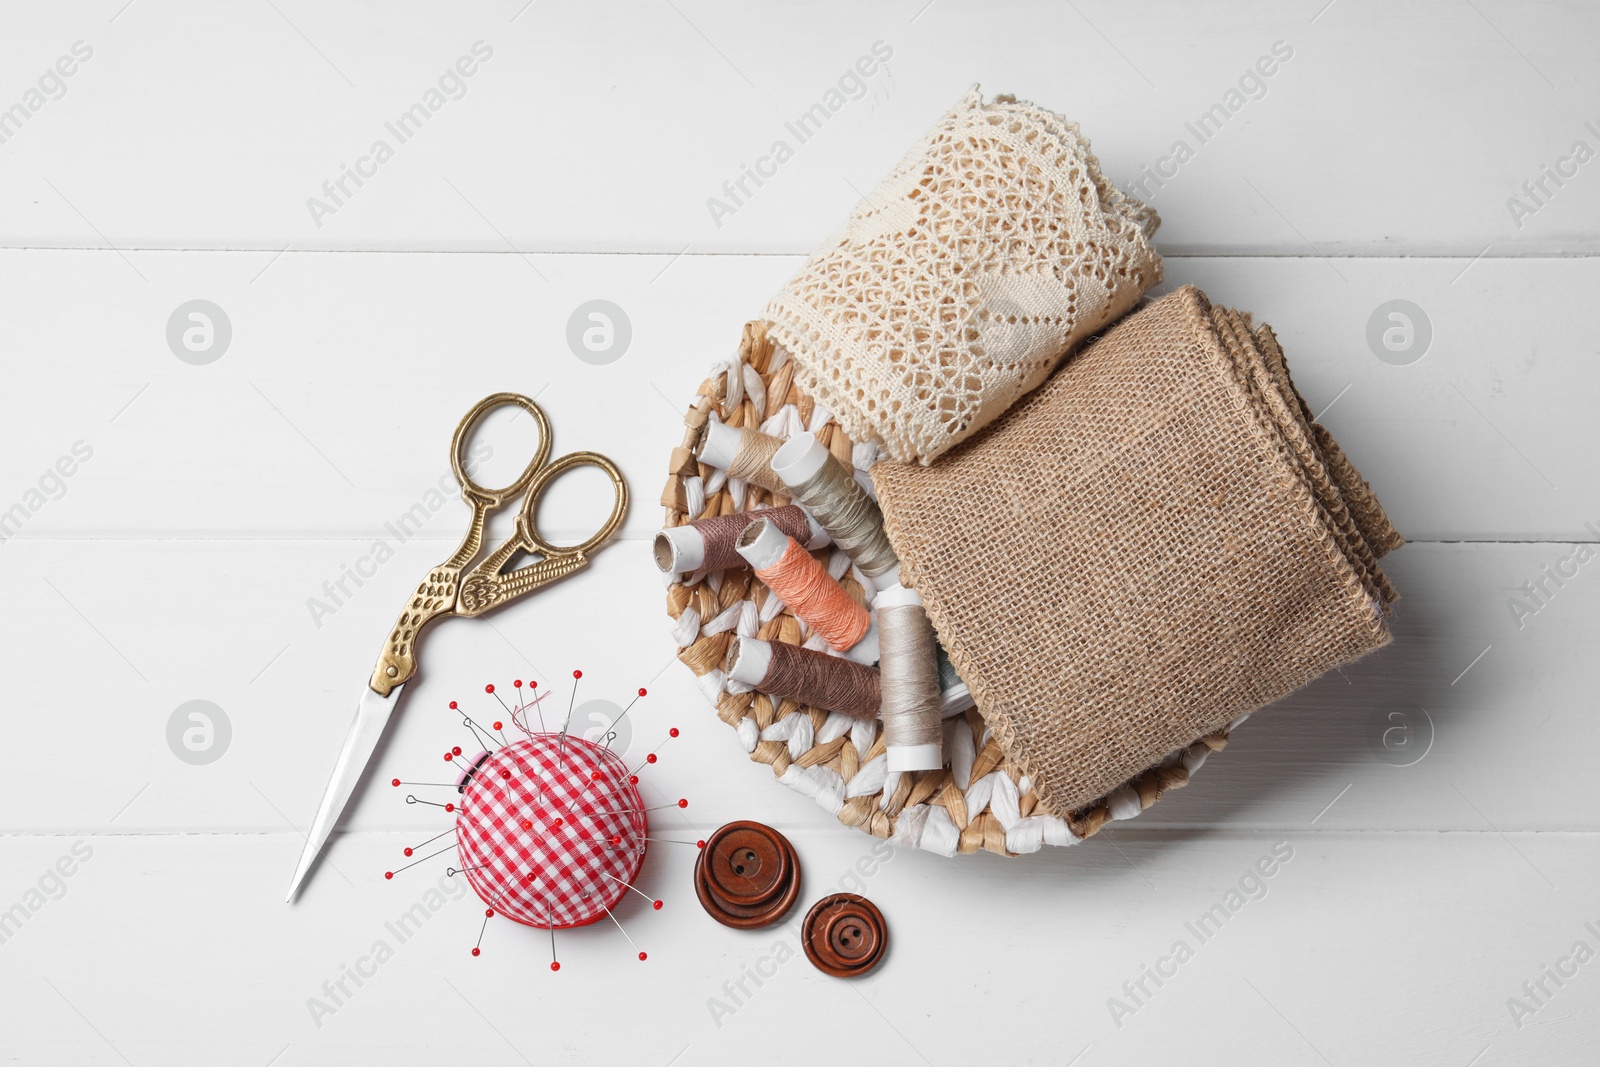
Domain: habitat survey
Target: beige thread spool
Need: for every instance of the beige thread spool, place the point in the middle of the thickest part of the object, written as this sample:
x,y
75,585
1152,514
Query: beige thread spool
x,y
744,453
908,673
804,676
809,591
830,493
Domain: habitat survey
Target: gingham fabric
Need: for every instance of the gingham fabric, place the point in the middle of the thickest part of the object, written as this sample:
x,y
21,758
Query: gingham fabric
x,y
534,835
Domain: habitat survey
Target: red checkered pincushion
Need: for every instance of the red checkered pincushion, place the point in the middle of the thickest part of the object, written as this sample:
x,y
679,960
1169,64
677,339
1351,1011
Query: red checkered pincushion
x,y
539,828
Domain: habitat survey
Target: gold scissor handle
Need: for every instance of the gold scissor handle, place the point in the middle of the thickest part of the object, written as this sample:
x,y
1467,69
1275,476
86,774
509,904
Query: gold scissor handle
x,y
440,592
494,498
485,586
527,521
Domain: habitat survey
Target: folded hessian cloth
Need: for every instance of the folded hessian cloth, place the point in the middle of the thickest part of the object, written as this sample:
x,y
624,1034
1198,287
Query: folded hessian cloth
x,y
1155,542
955,288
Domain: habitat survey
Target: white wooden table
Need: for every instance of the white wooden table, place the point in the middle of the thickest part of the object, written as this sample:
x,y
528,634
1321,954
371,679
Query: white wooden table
x,y
212,506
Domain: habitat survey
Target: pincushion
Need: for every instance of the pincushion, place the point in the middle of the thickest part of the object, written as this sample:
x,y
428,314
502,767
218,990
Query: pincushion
x,y
551,830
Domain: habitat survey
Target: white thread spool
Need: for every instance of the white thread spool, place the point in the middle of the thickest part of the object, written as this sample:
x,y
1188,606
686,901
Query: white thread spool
x,y
910,671
762,544
955,700
800,458
750,660
721,445
840,504
679,549
954,696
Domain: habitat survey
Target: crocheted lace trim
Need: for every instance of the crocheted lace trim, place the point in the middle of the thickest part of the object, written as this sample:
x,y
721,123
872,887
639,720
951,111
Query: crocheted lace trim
x,y
956,287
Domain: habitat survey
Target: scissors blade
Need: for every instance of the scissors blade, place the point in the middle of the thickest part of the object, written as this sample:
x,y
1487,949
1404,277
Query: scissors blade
x,y
372,715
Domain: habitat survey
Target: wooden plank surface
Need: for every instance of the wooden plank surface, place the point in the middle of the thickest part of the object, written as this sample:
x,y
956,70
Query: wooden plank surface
x,y
1499,707
157,944
608,127
292,431
178,530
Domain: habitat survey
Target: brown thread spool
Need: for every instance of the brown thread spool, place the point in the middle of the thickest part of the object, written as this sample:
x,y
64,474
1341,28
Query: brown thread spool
x,y
744,453
708,544
808,590
814,477
909,675
832,683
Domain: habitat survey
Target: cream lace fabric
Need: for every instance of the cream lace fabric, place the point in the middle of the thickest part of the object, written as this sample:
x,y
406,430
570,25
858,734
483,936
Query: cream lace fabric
x,y
957,285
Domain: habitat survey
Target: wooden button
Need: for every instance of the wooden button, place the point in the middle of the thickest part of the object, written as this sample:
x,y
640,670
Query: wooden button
x,y
844,935
747,876
747,864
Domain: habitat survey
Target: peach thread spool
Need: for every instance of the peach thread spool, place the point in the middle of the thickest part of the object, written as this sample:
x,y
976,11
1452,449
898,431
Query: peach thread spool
x,y
805,586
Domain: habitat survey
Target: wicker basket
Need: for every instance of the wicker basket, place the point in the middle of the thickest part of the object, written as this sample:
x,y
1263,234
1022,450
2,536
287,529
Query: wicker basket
x,y
977,801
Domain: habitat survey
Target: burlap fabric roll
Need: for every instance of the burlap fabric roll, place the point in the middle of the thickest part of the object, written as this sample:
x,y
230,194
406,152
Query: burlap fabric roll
x,y
956,286
1155,542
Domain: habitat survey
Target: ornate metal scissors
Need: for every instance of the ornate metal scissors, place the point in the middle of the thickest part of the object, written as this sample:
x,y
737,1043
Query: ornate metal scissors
x,y
457,587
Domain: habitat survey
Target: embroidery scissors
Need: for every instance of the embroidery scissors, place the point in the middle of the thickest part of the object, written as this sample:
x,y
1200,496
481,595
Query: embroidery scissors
x,y
457,587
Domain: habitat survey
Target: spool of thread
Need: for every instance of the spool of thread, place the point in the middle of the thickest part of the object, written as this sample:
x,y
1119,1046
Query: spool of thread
x,y
909,676
809,591
954,696
804,676
830,492
707,544
745,454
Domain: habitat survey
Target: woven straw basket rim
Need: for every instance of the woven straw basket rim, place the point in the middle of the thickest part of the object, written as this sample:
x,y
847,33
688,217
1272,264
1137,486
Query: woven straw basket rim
x,y
978,800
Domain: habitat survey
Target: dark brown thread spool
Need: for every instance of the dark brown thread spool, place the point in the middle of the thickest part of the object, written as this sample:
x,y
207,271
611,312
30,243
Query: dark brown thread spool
x,y
708,544
803,675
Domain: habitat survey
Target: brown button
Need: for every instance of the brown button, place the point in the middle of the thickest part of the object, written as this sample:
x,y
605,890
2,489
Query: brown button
x,y
747,876
746,863
844,935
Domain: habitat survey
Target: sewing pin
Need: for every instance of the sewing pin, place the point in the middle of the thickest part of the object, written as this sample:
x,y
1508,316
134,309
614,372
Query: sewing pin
x,y
488,913
413,863
573,699
624,932
624,715
656,904
633,775
534,700
429,841
468,773
630,811
466,720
